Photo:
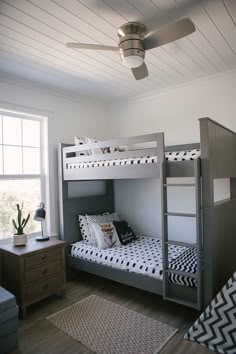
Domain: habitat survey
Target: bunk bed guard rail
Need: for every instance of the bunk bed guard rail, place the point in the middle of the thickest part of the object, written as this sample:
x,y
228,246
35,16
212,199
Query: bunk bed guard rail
x,y
131,151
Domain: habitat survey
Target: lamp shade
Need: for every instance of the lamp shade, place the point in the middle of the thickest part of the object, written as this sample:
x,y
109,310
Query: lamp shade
x,y
40,213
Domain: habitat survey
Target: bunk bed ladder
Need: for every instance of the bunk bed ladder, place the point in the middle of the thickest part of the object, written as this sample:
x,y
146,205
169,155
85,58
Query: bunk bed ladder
x,y
166,242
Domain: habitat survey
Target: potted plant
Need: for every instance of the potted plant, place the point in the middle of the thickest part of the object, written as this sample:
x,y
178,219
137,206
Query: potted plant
x,y
20,238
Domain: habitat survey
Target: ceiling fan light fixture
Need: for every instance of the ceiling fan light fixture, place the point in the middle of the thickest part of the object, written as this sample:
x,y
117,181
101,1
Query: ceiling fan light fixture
x,y
132,61
135,40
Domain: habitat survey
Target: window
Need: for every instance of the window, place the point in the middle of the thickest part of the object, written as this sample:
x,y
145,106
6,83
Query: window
x,y
21,169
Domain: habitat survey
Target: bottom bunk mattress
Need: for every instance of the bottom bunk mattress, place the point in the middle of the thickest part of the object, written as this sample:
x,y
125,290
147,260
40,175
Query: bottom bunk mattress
x,y
143,256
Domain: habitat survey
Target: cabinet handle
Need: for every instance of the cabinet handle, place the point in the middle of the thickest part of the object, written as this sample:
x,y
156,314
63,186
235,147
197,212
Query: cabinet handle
x,y
43,257
45,286
44,271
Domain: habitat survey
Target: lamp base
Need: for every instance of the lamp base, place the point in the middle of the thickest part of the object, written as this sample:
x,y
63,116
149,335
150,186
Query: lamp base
x,y
42,238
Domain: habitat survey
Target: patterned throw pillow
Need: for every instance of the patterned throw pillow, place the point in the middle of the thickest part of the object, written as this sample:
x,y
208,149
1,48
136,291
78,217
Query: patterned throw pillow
x,y
84,228
106,150
79,141
106,235
98,150
105,218
216,327
114,149
124,231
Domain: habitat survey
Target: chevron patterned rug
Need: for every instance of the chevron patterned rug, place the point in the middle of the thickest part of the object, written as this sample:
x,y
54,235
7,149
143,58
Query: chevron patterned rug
x,y
216,327
108,328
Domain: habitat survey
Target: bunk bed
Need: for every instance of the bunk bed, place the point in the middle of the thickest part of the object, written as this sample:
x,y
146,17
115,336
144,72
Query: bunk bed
x,y
213,158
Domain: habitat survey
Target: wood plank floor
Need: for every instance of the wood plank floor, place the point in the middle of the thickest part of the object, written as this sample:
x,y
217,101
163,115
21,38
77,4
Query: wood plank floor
x,y
36,335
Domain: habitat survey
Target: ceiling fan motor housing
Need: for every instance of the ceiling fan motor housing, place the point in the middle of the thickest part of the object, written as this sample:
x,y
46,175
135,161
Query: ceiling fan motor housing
x,y
131,48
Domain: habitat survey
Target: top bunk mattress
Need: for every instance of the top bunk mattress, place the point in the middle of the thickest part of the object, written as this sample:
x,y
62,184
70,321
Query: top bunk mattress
x,y
170,156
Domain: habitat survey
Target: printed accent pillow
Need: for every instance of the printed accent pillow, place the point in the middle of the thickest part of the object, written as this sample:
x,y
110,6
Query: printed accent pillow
x,y
105,218
79,141
118,148
124,231
114,149
97,151
84,228
106,235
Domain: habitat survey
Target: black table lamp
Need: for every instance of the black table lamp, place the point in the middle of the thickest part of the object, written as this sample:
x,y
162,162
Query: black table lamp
x,y
40,215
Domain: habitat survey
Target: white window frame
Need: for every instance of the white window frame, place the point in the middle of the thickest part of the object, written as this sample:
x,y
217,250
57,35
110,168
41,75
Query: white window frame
x,y
41,175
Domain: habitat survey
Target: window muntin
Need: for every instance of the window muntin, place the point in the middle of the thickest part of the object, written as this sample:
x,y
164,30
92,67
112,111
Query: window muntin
x,y
21,172
20,146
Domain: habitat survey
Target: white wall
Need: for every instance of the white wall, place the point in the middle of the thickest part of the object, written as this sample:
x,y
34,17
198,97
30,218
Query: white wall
x,y
175,112
67,117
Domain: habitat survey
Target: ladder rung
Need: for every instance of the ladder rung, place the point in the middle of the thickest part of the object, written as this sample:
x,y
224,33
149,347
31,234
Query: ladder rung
x,y
183,302
185,274
184,244
181,214
179,185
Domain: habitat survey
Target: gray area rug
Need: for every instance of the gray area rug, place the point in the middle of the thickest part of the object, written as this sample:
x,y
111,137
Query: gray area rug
x,y
108,328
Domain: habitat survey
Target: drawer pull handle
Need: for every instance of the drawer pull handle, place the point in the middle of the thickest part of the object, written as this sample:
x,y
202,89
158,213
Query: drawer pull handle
x,y
44,271
43,257
45,286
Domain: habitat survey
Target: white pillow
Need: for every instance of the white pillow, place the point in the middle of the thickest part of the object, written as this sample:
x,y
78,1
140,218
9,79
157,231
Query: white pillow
x,y
79,141
105,218
118,148
114,149
84,228
97,151
106,235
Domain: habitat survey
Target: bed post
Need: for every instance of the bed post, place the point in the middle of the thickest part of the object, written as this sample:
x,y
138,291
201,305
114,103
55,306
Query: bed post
x,y
63,189
218,160
70,208
164,219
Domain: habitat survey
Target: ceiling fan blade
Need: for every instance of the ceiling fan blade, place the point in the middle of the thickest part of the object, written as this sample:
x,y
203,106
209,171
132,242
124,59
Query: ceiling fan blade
x,y
141,72
91,46
169,33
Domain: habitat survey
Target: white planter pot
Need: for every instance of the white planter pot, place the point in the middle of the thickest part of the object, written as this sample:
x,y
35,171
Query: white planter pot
x,y
19,240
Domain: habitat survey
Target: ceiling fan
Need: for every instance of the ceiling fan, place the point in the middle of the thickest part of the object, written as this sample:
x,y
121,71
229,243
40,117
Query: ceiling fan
x,y
134,40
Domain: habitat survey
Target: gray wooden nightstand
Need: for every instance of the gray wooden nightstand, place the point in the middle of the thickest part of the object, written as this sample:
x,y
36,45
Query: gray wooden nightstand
x,y
33,272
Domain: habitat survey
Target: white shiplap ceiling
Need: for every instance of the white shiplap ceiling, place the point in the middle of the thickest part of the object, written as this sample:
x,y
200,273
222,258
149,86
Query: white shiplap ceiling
x,y
33,34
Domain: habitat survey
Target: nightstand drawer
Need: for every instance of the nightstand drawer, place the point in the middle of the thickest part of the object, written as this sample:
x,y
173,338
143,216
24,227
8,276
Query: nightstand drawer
x,y
34,271
39,258
42,271
43,287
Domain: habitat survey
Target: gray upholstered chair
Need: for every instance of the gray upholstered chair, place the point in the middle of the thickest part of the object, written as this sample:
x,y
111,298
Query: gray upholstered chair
x,y
8,321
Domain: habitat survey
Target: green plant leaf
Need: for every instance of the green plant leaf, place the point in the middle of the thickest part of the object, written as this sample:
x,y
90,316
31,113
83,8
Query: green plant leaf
x,y
14,224
19,215
25,221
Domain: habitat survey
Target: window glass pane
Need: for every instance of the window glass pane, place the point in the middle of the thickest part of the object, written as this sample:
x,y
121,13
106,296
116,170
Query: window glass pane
x,y
31,160
31,132
12,159
18,191
0,129
1,171
11,131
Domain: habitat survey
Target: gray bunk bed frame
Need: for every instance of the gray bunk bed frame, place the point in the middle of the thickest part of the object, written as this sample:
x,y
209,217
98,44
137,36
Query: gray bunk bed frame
x,y
215,222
